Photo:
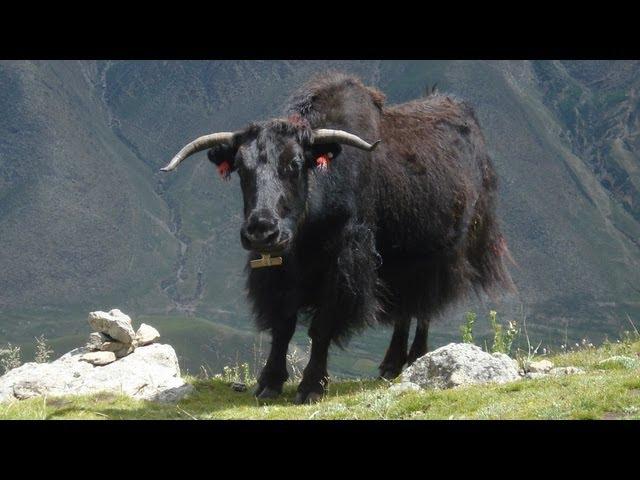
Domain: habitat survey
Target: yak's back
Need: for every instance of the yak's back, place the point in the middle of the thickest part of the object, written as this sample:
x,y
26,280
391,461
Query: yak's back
x,y
438,135
430,117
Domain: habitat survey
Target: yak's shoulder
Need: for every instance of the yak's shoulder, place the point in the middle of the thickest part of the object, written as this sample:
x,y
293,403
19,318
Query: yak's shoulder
x,y
329,90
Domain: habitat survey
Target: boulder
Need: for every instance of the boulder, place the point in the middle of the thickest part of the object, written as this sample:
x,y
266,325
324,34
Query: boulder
x,y
146,335
150,373
458,364
114,323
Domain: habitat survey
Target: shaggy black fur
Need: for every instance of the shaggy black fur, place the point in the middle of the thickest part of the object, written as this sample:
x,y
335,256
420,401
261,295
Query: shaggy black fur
x,y
385,236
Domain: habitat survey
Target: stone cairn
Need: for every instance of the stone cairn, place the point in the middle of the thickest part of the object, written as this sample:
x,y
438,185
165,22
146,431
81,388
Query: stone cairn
x,y
114,337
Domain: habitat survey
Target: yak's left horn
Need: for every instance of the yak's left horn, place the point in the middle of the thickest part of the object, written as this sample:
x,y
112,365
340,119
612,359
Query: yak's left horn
x,y
199,144
324,135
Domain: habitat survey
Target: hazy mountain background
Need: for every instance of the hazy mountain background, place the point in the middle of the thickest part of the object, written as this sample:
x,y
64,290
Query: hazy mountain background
x,y
88,222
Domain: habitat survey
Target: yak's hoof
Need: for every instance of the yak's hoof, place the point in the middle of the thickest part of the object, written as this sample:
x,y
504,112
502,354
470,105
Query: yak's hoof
x,y
413,357
390,373
264,393
307,398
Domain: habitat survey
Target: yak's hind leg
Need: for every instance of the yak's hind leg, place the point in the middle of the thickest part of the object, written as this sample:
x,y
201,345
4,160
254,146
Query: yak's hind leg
x,y
315,376
274,373
419,345
396,355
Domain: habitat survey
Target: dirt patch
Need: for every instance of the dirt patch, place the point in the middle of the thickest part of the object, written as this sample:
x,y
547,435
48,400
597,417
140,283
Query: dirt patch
x,y
58,402
105,397
612,416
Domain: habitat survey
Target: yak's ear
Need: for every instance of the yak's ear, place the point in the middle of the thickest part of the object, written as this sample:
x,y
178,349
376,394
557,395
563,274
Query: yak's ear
x,y
320,154
223,157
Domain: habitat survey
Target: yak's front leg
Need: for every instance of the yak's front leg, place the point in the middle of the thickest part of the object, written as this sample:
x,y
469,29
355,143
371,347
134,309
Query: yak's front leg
x,y
274,373
349,302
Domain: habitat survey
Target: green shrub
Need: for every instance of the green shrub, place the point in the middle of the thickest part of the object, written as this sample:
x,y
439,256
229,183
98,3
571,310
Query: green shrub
x,y
502,339
43,352
10,358
467,329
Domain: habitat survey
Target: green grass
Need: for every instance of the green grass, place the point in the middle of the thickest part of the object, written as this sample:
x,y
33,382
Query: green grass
x,y
600,393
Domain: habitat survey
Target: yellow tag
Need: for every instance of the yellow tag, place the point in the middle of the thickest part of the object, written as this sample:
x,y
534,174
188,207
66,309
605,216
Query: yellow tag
x,y
266,261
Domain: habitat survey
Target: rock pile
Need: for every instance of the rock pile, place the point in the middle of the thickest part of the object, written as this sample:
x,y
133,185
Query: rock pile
x,y
545,368
143,370
114,337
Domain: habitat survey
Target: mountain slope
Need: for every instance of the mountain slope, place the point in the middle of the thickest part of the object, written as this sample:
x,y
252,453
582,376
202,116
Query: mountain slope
x,y
87,221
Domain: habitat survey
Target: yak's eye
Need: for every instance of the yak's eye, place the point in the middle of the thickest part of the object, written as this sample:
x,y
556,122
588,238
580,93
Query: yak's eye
x,y
291,168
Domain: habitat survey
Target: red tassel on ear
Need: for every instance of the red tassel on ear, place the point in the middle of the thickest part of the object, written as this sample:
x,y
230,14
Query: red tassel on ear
x,y
322,162
224,169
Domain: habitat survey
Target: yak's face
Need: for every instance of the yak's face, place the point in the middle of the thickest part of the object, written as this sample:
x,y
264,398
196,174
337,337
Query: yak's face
x,y
273,176
273,162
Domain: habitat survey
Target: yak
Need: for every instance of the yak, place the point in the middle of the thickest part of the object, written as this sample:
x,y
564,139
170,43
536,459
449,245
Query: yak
x,y
357,213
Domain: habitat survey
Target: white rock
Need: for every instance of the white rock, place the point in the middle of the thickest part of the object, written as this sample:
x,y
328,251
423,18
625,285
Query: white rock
x,y
113,346
403,387
124,351
566,371
541,366
460,364
114,323
99,358
96,339
150,373
146,335
120,349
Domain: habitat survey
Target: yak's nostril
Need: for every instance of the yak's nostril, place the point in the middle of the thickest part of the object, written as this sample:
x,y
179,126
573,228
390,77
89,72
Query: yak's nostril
x,y
261,232
270,236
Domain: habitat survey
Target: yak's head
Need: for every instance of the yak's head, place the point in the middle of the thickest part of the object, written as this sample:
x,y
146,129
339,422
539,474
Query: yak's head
x,y
273,160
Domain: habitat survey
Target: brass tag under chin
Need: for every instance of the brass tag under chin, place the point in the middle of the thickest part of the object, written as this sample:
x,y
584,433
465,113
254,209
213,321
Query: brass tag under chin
x,y
266,260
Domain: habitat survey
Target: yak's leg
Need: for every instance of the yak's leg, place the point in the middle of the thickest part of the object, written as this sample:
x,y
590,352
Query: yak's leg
x,y
419,345
396,355
348,292
274,373
315,376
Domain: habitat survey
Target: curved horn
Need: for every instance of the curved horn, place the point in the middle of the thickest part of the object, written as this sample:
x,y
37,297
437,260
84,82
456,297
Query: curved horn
x,y
199,144
324,135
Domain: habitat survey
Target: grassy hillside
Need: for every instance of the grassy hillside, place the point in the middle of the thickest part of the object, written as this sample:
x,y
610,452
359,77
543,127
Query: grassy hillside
x,y
607,391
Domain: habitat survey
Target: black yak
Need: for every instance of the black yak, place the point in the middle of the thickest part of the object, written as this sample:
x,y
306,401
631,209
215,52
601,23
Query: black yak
x,y
354,233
